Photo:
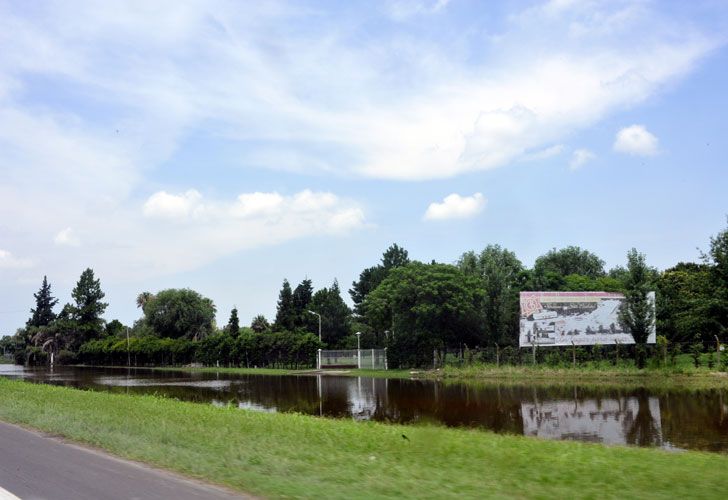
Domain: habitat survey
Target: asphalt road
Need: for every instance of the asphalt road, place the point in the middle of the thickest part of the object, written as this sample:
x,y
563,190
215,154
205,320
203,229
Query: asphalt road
x,y
34,465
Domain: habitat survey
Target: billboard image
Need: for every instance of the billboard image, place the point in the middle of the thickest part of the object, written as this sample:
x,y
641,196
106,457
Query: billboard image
x,y
584,318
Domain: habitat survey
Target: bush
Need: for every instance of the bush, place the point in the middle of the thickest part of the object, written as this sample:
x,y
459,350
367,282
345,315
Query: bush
x,y
64,358
696,351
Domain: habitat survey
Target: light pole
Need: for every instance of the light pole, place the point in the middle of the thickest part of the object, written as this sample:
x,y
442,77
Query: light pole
x,y
128,352
358,349
319,318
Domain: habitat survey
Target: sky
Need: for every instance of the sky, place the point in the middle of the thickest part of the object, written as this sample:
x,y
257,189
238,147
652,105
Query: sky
x,y
224,146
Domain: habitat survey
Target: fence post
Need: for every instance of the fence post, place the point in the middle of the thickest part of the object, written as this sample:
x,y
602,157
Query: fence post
x,y
358,359
385,359
533,353
573,354
318,360
717,348
372,359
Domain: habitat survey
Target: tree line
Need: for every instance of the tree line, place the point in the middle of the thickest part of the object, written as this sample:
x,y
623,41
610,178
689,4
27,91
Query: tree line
x,y
412,308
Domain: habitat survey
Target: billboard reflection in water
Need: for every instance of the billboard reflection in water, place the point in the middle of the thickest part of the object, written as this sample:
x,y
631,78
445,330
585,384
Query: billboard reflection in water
x,y
584,318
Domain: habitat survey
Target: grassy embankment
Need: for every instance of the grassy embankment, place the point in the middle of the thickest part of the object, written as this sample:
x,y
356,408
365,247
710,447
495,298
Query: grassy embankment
x,y
289,455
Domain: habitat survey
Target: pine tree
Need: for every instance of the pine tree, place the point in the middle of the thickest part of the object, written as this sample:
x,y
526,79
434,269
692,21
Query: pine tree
x,y
335,314
88,308
286,314
233,326
301,301
42,314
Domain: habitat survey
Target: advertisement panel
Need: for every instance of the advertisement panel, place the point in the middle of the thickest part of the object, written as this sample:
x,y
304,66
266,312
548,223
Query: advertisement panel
x,y
584,318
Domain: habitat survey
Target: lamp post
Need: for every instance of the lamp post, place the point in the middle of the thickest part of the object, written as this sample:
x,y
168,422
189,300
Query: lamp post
x,y
128,352
319,318
358,349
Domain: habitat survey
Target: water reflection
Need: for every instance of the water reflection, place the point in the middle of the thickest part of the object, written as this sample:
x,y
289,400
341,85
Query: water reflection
x,y
669,418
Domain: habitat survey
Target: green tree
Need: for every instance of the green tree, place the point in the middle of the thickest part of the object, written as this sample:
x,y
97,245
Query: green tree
x,y
85,322
426,307
569,260
637,312
233,326
395,256
286,312
180,313
42,314
115,328
499,272
335,315
302,296
260,324
718,259
687,303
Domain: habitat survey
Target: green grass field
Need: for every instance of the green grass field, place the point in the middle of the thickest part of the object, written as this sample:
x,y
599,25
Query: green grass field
x,y
289,455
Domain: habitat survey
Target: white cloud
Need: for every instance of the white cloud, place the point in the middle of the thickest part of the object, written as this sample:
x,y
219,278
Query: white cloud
x,y
636,140
134,83
171,206
580,157
455,206
67,237
9,261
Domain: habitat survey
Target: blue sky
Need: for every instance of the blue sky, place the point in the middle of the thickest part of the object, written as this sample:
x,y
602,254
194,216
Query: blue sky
x,y
224,146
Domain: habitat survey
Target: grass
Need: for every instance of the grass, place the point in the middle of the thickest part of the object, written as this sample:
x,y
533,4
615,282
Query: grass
x,y
290,455
283,371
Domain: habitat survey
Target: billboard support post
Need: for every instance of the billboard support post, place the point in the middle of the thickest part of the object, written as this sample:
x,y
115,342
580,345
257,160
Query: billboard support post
x,y
533,353
573,354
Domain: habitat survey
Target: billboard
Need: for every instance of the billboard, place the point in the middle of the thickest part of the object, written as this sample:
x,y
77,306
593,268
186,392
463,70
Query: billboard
x,y
584,318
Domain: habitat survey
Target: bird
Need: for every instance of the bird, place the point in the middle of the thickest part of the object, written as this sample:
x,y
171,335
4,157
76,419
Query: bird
x,y
405,437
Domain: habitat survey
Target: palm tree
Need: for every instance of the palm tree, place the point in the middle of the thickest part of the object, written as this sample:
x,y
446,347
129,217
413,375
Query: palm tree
x,y
143,299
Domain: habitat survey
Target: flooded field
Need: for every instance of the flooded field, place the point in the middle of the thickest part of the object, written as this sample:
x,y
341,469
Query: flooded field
x,y
671,419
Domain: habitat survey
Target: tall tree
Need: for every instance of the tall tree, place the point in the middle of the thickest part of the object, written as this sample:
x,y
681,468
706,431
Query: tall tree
x,y
426,307
259,324
335,314
42,314
301,300
499,272
718,259
638,312
233,326
143,298
395,256
286,312
88,308
569,260
180,313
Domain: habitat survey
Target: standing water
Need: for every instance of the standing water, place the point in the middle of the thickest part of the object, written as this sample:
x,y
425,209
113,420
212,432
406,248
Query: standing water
x,y
669,418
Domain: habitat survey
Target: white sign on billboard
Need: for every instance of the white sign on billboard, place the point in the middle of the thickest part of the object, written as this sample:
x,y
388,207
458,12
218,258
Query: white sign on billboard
x,y
584,318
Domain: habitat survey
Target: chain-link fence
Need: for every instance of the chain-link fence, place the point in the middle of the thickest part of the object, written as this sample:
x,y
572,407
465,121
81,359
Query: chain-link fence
x,y
374,359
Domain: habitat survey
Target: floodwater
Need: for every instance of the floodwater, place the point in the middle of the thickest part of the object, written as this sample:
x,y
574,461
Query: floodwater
x,y
673,419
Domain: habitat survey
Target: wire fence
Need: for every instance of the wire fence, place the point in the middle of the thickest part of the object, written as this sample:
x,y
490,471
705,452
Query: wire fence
x,y
671,354
375,359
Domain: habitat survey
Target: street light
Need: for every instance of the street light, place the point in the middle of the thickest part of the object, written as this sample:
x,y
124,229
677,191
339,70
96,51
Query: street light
x,y
319,318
